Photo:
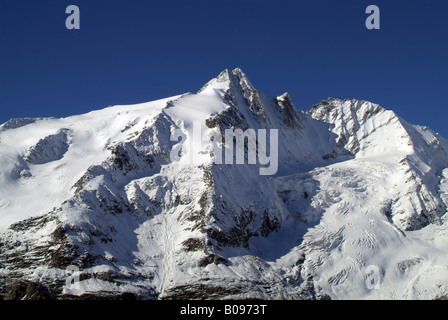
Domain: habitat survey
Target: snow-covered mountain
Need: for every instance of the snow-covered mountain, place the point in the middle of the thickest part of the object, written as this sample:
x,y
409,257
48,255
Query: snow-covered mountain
x,y
356,210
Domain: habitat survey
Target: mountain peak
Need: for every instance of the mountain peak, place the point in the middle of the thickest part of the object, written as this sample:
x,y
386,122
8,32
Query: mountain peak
x,y
235,79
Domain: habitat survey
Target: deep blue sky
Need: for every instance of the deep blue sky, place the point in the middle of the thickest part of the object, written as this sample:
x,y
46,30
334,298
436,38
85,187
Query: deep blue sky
x,y
135,51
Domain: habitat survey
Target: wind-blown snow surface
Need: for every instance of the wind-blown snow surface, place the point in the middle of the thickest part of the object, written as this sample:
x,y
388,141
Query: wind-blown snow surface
x,y
356,187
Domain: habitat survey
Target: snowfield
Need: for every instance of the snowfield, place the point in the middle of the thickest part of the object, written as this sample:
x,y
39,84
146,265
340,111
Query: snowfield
x,y
356,210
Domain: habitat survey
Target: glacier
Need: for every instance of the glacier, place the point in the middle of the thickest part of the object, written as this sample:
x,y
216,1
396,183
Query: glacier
x,y
357,189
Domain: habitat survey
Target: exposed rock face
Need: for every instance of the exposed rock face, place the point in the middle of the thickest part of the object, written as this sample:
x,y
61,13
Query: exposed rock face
x,y
356,186
50,148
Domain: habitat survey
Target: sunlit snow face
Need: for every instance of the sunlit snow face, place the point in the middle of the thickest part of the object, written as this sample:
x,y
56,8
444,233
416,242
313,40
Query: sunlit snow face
x,y
201,138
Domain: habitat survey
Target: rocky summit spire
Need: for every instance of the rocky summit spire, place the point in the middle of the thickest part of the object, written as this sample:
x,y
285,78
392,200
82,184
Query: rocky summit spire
x,y
233,80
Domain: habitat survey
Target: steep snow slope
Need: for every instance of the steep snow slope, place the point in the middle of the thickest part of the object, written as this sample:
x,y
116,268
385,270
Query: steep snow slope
x,y
356,209
367,131
42,159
